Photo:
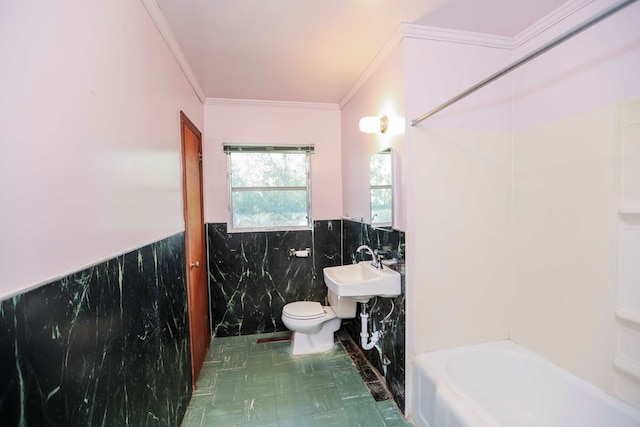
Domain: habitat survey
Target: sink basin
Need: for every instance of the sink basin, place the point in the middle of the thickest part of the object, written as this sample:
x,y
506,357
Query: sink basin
x,y
362,281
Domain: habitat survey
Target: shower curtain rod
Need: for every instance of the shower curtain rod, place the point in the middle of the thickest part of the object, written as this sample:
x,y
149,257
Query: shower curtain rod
x,y
542,49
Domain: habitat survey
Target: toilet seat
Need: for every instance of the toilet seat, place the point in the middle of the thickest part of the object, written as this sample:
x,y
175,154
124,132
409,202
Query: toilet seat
x,y
312,326
303,310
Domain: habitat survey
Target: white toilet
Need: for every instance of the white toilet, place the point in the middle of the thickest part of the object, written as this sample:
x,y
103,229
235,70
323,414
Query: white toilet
x,y
313,325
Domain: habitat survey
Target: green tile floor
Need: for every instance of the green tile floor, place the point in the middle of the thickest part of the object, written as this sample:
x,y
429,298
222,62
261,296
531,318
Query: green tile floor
x,y
245,383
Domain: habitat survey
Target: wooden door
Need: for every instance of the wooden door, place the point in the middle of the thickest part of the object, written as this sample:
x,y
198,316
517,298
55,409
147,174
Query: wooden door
x,y
198,297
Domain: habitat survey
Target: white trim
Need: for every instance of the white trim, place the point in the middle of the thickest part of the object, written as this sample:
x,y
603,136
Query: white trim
x,y
404,31
165,31
548,21
266,229
425,33
456,36
382,54
413,31
271,104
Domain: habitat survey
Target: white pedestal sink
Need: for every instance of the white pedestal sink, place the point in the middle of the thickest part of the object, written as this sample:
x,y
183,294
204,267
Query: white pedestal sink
x,y
362,281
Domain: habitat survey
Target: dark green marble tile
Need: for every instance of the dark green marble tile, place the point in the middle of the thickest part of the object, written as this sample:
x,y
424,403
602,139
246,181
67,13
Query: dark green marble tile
x,y
254,277
109,342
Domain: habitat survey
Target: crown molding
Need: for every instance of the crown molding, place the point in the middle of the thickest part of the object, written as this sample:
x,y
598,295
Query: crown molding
x,y
548,21
382,54
404,30
421,32
163,27
425,33
271,104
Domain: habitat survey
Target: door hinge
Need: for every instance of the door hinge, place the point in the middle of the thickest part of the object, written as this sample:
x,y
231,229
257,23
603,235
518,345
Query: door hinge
x,y
200,157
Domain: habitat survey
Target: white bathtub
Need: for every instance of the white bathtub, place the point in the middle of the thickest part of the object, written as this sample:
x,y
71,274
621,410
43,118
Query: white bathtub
x,y
503,384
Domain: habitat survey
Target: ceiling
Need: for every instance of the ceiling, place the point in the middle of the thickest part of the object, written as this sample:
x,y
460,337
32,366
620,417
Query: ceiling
x,y
315,50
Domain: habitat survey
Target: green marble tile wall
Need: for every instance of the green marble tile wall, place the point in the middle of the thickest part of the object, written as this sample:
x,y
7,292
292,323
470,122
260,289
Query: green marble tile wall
x,y
252,277
107,345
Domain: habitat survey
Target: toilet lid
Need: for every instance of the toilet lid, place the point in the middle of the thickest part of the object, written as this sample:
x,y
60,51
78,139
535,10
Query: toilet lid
x,y
304,310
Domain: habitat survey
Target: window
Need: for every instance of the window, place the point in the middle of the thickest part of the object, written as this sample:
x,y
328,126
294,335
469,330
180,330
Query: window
x,y
269,186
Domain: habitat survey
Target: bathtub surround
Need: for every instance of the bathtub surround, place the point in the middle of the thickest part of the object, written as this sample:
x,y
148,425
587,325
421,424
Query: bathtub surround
x,y
531,173
252,276
502,384
354,235
568,140
108,344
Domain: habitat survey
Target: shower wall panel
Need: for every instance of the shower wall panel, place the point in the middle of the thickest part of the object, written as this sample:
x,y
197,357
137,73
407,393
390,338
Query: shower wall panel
x,y
463,265
572,206
565,232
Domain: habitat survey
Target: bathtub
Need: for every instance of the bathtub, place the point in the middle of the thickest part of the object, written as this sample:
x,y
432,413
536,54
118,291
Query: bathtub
x,y
502,384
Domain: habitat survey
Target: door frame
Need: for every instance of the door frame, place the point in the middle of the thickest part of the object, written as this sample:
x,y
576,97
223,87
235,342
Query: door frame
x,y
185,121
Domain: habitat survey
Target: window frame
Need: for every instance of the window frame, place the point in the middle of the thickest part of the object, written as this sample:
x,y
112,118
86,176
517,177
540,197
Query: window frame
x,y
229,149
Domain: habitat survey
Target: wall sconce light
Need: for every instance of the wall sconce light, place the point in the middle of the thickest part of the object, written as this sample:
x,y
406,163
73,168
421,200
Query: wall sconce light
x,y
372,124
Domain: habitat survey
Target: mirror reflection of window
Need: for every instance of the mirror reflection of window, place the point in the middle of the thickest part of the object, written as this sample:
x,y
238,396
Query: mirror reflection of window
x,y
381,189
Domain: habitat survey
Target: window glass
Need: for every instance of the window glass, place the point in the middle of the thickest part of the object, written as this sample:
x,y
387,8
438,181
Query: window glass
x,y
268,169
269,189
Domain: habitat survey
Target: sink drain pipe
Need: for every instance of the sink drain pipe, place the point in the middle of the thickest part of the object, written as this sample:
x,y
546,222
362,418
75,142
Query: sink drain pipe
x,y
364,332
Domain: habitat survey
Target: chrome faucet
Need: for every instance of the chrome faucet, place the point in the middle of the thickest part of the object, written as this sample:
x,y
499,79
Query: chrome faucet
x,y
376,258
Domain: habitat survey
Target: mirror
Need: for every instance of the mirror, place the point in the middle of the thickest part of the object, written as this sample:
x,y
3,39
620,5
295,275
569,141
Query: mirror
x,y
381,189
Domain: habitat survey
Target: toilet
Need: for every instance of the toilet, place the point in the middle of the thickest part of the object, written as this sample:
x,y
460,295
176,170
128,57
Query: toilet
x,y
313,324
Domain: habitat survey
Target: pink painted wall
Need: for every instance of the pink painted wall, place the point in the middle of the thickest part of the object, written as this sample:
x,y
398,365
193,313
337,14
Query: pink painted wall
x,y
439,70
245,122
598,67
90,134
382,94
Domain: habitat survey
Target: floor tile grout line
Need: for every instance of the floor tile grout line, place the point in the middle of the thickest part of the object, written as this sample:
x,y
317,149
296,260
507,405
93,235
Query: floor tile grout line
x,y
380,379
211,405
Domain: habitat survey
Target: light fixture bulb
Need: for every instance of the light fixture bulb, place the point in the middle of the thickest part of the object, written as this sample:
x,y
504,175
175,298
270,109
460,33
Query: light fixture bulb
x,y
372,124
369,124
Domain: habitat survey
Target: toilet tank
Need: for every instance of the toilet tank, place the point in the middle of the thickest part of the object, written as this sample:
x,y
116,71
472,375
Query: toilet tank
x,y
344,308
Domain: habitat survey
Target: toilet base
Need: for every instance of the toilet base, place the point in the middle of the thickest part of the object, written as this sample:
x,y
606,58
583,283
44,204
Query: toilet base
x,y
318,342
